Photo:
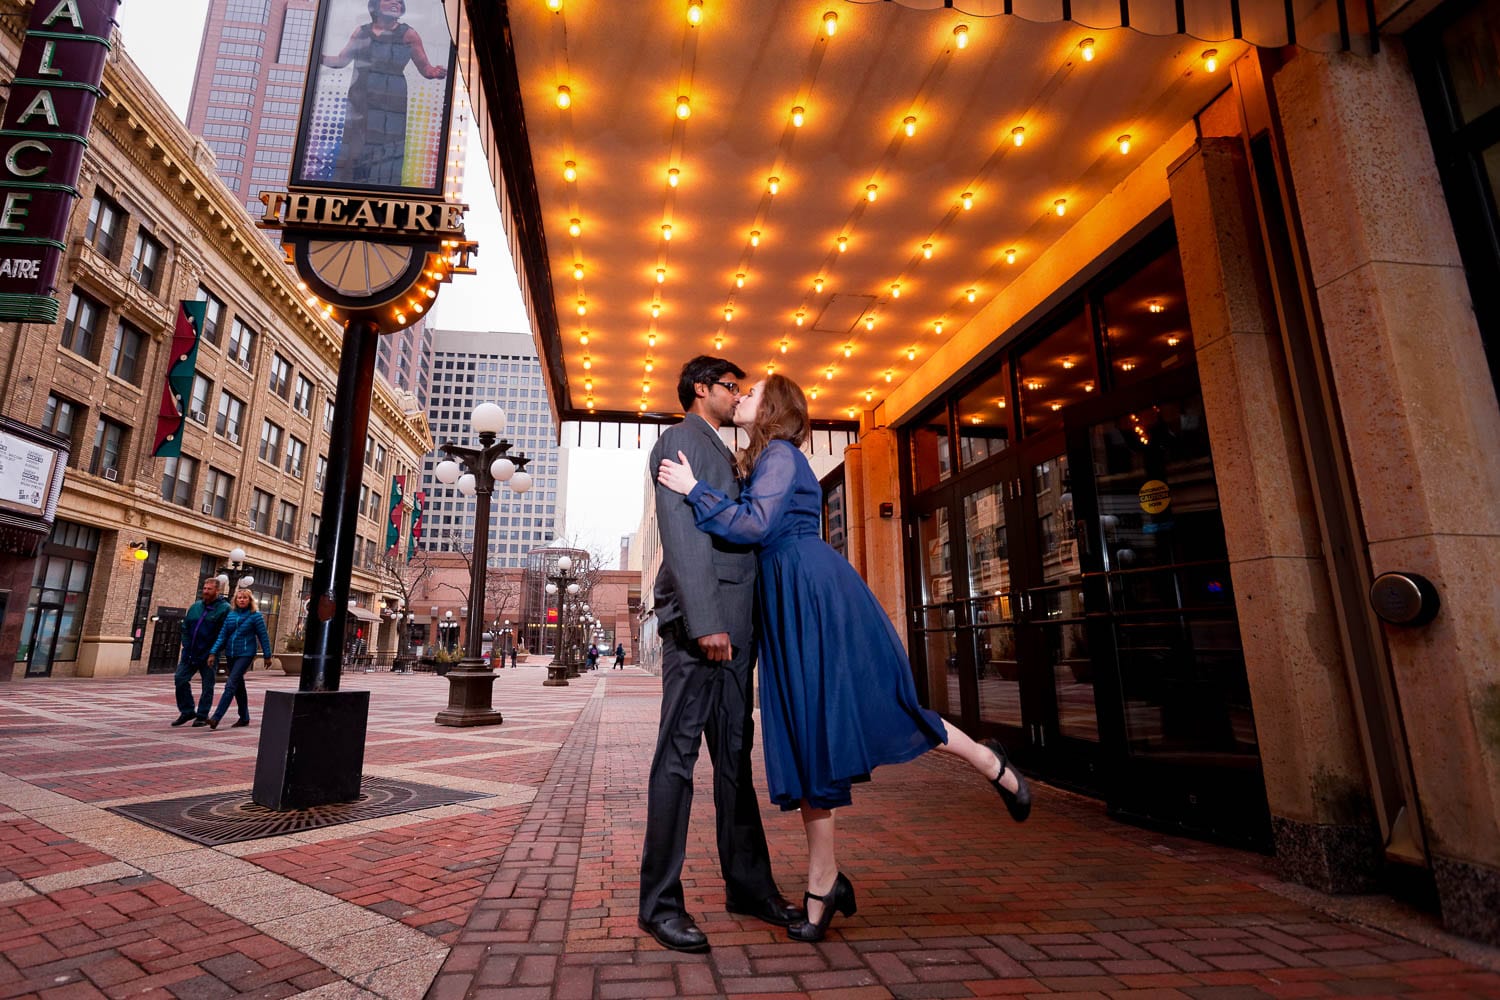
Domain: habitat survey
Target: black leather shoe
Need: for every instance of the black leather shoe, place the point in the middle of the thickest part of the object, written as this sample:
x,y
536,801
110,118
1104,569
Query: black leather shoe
x,y
840,898
1017,802
182,720
241,722
774,909
199,722
678,933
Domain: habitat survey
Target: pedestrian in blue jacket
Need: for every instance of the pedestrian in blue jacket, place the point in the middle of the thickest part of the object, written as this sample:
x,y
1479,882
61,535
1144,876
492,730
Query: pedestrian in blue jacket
x,y
244,629
199,630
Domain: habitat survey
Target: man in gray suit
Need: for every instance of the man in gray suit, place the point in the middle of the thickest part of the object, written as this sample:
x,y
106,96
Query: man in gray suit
x,y
705,597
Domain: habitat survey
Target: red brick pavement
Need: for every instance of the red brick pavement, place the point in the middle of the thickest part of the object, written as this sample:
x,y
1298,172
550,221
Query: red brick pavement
x,y
537,897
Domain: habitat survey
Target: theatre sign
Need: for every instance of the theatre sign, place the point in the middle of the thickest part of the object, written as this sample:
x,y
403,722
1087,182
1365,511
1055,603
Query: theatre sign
x,y
42,140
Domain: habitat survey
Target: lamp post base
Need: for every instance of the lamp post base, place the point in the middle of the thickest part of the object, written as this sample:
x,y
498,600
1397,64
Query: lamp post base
x,y
557,675
470,696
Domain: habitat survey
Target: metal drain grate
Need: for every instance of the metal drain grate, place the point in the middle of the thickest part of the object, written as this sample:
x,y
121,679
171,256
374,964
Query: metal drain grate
x,y
231,817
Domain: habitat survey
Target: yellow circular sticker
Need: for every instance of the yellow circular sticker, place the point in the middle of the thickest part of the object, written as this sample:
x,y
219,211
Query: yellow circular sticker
x,y
1155,496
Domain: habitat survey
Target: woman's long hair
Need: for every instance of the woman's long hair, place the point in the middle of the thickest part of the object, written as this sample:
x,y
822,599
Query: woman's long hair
x,y
782,416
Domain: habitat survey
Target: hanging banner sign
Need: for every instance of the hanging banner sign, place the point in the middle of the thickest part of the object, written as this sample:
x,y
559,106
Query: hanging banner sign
x,y
42,140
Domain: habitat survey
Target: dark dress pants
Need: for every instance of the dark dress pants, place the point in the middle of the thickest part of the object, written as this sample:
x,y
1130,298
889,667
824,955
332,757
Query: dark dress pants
x,y
182,679
699,700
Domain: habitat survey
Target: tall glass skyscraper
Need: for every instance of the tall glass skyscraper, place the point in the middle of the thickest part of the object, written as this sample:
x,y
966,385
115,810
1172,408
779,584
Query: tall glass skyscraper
x,y
472,368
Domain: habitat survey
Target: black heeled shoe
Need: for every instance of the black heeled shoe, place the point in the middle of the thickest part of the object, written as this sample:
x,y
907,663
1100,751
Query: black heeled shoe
x,y
840,898
1018,801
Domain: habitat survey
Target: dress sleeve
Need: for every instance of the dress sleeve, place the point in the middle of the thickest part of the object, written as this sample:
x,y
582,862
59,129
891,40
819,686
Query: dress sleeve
x,y
749,519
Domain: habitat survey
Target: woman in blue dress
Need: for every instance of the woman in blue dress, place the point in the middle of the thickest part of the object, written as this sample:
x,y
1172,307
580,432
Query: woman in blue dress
x,y
836,692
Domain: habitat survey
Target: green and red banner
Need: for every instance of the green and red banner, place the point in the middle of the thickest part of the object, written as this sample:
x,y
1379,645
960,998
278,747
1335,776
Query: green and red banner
x,y
418,502
43,135
172,416
393,525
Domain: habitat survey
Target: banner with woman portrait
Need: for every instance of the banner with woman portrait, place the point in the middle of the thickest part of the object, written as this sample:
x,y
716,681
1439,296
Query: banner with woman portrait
x,y
375,113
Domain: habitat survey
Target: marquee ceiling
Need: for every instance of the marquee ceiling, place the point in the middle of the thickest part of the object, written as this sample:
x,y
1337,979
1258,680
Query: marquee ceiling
x,y
935,157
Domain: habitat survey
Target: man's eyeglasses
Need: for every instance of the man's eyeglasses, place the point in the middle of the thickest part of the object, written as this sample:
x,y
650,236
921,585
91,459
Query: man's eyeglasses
x,y
733,387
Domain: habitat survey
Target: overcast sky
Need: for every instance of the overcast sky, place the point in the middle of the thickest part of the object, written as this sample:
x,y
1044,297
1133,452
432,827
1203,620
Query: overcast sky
x,y
604,497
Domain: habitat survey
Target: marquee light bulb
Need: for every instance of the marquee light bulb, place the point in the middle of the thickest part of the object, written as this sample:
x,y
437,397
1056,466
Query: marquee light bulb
x,y
850,411
801,318
590,402
695,11
1018,135
1211,59
588,385
588,362
684,107
1155,306
911,354
783,346
828,373
583,308
673,176
968,200
812,391
937,326
564,97
1086,49
843,244
719,342
650,365
773,184
755,237
643,406
770,368
888,374
1010,256
926,251
869,322
554,5
661,276
909,123
831,23
869,395
870,191
650,340
1061,205
971,294
666,233
1002,402
1124,142
728,313
1173,341
961,36
848,350
570,171
818,285
896,290
583,337
578,272
655,310
739,281
574,227
798,116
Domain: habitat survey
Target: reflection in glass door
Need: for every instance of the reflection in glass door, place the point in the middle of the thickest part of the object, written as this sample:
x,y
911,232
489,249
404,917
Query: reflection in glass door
x,y
937,614
42,648
992,607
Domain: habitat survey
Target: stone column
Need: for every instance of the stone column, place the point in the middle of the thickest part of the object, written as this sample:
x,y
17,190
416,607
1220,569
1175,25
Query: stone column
x,y
105,642
854,504
1322,817
1422,426
880,482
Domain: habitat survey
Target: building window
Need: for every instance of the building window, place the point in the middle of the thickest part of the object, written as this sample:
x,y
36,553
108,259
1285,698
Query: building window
x,y
286,520
241,343
260,511
281,375
296,455
270,442
60,417
380,459
177,480
125,356
109,448
146,261
322,473
213,316
231,410
81,329
327,415
375,505
203,389
314,525
302,398
60,591
218,486
105,226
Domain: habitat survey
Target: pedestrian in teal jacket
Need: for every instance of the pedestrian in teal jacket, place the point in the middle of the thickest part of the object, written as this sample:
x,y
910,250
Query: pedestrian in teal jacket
x,y
244,629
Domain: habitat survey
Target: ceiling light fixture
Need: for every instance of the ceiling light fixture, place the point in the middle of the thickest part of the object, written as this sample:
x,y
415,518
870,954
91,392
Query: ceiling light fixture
x,y
927,251
728,313
1061,205
719,342
1018,135
588,385
799,115
755,237
961,36
583,307
574,227
684,107
831,23
1155,306
773,184
673,176
896,290
588,362
578,272
783,345
1086,49
661,276
909,123
801,316
818,285
1010,256
650,365
655,310
889,374
583,337
848,350
564,97
554,5
650,340
1124,142
739,280
570,171
971,294
911,354
968,200
666,233
869,322
695,11
869,395
1211,59
1173,341
870,190
828,373
843,244
812,391
937,326
589,402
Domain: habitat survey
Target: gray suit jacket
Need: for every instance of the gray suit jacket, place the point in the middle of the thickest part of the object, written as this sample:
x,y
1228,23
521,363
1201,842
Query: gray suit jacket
x,y
706,582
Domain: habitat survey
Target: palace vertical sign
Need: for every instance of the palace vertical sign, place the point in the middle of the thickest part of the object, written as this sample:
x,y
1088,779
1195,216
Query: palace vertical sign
x,y
42,140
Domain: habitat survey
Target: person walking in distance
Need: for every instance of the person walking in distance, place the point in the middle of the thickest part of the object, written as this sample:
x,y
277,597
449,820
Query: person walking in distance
x,y
244,628
199,630
836,692
704,596
619,656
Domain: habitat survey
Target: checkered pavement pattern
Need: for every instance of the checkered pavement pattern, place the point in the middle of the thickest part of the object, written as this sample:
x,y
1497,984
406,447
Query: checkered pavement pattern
x,y
530,890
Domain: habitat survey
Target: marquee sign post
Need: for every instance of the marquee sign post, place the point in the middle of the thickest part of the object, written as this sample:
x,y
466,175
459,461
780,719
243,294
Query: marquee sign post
x,y
365,222
42,139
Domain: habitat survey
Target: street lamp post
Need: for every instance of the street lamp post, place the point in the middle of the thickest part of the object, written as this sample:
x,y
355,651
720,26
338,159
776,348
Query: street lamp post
x,y
471,686
563,584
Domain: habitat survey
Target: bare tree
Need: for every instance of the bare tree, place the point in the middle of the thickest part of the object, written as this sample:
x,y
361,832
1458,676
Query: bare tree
x,y
404,578
501,590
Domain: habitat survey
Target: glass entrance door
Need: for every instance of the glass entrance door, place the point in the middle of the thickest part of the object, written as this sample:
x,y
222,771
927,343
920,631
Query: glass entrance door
x,y
41,649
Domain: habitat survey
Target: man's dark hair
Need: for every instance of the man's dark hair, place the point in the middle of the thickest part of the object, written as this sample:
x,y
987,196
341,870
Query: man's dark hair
x,y
702,370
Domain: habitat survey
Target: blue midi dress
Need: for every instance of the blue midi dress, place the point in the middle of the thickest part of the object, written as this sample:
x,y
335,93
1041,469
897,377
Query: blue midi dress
x,y
836,692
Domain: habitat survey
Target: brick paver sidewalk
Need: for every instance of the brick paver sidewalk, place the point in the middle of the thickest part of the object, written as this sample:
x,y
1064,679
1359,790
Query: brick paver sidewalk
x,y
530,890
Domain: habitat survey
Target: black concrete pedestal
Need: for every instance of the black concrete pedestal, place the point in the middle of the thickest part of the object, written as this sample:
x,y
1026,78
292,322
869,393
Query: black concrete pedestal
x,y
557,674
312,748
